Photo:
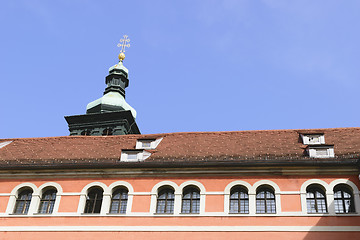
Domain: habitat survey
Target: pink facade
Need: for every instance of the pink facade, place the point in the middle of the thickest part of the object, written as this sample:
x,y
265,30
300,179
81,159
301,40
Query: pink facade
x,y
191,185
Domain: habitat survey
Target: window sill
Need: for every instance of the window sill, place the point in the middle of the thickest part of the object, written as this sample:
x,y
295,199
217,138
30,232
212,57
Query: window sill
x,y
318,213
349,213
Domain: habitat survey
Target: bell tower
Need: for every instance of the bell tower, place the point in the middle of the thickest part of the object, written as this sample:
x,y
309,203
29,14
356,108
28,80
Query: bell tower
x,y
110,114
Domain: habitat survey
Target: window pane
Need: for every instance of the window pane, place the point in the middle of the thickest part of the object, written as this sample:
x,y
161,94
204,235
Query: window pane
x,y
94,200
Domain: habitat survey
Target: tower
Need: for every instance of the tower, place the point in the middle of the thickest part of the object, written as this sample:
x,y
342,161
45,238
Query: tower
x,y
110,114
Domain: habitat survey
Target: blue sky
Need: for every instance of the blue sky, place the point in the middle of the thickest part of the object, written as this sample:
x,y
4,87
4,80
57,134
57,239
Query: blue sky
x,y
193,65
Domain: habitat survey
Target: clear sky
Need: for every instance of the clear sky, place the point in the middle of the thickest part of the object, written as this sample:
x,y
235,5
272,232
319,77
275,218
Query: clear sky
x,y
194,65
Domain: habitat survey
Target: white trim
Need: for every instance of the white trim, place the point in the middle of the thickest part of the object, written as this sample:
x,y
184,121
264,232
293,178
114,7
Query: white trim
x,y
26,184
352,186
93,184
14,194
153,143
5,194
71,194
154,190
194,183
50,184
84,192
58,194
346,182
307,141
289,192
329,195
130,189
140,155
179,229
276,192
3,144
202,194
205,214
314,181
154,195
266,182
227,194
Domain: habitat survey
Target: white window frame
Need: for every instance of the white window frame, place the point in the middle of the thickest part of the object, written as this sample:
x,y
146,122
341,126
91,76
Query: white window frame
x,y
307,139
140,155
153,143
312,151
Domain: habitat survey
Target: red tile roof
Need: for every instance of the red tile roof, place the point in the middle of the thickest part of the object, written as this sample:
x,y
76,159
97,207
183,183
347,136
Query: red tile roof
x,y
193,147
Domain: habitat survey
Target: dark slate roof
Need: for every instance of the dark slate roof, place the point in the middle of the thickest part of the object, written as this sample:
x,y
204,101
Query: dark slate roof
x,y
181,149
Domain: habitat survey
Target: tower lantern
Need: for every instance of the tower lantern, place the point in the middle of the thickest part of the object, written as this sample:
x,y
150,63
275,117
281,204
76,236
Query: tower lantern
x,y
110,114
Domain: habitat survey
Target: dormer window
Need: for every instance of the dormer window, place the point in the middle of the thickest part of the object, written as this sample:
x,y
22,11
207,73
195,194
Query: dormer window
x,y
321,151
148,143
134,156
313,139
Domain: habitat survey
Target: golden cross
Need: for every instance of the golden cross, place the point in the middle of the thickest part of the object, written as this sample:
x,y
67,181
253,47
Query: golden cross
x,y
124,42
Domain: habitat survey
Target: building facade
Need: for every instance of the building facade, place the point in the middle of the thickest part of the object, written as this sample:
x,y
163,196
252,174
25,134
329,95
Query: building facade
x,y
247,184
106,180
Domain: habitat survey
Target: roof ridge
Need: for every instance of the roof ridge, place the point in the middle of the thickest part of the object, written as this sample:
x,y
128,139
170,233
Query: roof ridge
x,y
179,133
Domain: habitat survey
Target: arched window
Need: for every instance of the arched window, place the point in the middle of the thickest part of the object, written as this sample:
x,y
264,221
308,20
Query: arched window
x,y
94,200
315,199
107,132
23,201
265,200
86,132
239,200
47,201
165,200
343,199
119,201
190,200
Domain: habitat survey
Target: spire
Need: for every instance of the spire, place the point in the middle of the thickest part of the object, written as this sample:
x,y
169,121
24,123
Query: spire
x,y
110,114
116,81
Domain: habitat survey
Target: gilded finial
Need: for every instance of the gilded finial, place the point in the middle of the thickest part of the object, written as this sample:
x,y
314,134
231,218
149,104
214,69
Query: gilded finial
x,y
124,42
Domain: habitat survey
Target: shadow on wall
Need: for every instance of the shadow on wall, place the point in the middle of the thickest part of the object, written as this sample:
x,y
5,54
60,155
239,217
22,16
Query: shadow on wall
x,y
339,225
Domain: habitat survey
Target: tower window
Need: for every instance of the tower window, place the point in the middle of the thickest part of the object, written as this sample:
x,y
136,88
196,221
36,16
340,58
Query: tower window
x,y
107,132
86,132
